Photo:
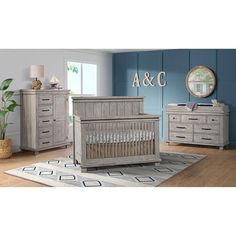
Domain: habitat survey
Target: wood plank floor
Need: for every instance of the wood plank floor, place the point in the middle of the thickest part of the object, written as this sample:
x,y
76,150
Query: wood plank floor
x,y
218,169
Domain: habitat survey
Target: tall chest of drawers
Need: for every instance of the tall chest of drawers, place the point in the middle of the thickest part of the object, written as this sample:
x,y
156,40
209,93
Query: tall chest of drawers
x,y
44,119
206,125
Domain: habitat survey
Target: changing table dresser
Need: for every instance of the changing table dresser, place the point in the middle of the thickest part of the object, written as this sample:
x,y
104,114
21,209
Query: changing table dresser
x,y
205,125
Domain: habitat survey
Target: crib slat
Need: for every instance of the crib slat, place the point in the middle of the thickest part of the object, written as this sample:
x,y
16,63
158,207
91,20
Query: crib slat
x,y
133,152
103,140
90,141
149,142
135,138
109,140
138,138
87,142
113,140
106,140
94,141
116,139
151,130
123,139
143,140
126,140
120,139
153,137
98,145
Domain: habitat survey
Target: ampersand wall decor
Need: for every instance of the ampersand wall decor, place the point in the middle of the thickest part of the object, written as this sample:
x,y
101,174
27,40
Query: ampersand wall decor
x,y
148,80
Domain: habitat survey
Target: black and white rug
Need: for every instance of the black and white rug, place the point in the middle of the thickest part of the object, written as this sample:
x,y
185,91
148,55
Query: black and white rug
x,y
61,172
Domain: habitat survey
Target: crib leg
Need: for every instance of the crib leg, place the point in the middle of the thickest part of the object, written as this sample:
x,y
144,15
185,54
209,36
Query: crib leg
x,y
84,169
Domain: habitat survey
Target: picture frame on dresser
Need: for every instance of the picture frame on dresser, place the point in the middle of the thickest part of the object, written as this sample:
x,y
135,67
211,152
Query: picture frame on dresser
x,y
204,125
44,119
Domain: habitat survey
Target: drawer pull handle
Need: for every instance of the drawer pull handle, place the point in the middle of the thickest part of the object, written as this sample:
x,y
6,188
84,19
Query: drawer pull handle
x,y
45,99
45,110
46,121
180,137
45,142
180,127
206,128
44,132
193,118
206,139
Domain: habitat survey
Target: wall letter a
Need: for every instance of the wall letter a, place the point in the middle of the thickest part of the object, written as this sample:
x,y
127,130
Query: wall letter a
x,y
136,82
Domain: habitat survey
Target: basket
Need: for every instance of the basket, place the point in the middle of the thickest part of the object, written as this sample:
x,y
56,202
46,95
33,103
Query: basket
x,y
5,148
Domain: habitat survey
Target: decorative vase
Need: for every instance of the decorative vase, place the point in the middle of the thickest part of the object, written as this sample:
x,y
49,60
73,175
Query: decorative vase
x,y
5,148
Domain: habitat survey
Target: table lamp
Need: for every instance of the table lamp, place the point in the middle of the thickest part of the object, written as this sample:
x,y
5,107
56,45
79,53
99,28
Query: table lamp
x,y
36,71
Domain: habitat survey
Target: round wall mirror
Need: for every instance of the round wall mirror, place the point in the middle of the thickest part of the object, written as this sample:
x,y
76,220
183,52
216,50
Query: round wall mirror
x,y
200,81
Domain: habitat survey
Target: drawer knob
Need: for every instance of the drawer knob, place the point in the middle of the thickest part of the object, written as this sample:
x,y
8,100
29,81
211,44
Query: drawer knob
x,y
181,127
45,132
54,120
206,128
45,142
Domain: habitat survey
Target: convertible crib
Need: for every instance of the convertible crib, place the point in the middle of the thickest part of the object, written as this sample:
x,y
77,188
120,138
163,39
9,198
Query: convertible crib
x,y
113,131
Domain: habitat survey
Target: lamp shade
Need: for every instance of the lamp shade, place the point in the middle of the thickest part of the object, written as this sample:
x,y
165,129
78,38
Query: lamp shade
x,y
36,71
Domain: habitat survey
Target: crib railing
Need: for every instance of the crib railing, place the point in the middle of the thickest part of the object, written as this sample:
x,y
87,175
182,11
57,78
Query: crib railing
x,y
119,139
116,137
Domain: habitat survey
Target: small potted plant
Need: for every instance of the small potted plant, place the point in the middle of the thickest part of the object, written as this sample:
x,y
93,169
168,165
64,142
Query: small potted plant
x,y
7,105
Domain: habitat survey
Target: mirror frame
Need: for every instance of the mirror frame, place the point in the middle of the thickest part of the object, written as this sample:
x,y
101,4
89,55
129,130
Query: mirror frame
x,y
212,75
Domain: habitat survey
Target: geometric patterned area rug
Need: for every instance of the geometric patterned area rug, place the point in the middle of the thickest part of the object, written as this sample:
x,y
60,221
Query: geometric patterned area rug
x,y
61,172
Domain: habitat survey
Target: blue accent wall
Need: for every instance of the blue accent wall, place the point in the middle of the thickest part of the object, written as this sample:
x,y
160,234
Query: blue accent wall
x,y
176,64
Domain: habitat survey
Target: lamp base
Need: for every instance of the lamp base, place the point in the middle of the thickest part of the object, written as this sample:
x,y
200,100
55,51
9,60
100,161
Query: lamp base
x,y
36,84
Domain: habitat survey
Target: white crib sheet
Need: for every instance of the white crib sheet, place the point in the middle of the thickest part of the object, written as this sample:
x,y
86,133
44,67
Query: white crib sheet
x,y
122,136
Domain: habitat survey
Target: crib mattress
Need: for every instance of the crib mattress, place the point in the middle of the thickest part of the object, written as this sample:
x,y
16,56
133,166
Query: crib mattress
x,y
119,137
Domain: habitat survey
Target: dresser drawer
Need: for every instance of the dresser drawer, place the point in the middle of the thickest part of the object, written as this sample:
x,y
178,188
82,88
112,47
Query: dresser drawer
x,y
180,137
193,119
174,117
45,121
207,129
45,142
45,132
45,110
179,127
44,99
206,138
213,120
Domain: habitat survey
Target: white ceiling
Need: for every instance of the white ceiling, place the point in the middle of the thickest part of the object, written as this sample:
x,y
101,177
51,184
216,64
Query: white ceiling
x,y
114,50
125,50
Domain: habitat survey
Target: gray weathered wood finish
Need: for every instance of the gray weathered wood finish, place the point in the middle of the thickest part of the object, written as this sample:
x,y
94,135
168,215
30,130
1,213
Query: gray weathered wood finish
x,y
114,131
207,125
44,119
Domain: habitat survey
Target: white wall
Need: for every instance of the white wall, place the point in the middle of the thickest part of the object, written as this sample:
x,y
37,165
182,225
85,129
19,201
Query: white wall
x,y
14,63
